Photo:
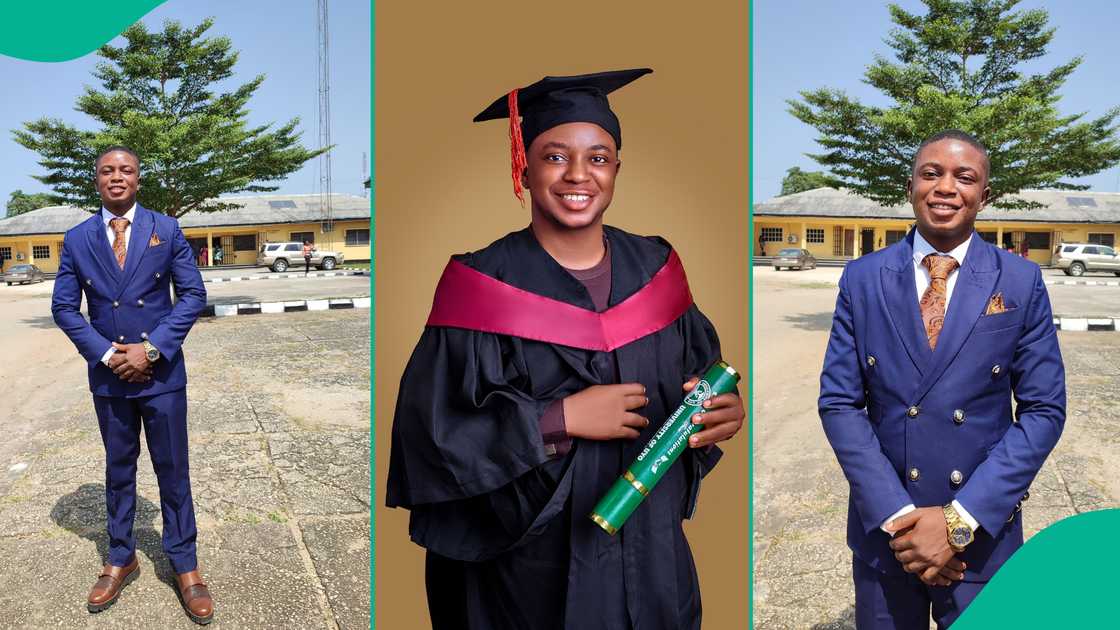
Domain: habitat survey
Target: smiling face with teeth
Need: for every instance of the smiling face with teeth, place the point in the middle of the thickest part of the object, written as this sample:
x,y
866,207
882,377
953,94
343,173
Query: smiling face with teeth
x,y
118,179
947,188
570,176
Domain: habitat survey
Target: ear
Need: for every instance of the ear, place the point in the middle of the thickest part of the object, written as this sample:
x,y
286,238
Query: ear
x,y
617,166
987,195
910,189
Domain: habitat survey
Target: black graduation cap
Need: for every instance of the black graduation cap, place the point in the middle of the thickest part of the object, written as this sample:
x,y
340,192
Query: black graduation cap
x,y
555,101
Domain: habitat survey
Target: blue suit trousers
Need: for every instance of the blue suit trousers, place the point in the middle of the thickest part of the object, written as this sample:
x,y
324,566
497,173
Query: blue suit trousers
x,y
164,419
904,602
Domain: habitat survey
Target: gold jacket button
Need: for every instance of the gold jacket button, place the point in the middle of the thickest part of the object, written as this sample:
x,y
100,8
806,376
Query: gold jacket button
x,y
143,335
89,282
121,339
870,361
1026,495
116,304
956,477
995,370
958,416
139,302
915,474
912,411
157,275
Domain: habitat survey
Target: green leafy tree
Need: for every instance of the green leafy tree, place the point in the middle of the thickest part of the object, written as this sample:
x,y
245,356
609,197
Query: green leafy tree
x,y
797,180
961,65
21,202
158,95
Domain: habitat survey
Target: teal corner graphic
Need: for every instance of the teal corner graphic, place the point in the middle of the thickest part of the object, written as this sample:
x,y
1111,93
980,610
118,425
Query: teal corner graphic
x,y
1064,577
65,29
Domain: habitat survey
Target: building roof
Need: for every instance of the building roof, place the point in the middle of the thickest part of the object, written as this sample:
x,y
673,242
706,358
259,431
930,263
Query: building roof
x,y
1061,206
255,210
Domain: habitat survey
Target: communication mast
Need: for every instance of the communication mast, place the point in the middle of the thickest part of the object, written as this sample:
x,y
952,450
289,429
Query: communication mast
x,y
325,210
365,176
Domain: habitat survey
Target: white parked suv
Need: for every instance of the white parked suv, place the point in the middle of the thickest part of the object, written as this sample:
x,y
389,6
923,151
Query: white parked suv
x,y
1077,258
280,256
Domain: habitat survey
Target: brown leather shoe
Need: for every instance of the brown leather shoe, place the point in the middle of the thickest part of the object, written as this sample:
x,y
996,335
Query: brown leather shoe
x,y
195,597
110,584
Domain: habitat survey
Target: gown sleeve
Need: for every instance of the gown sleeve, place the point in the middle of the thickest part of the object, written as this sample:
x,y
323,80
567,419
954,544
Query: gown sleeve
x,y
467,457
701,347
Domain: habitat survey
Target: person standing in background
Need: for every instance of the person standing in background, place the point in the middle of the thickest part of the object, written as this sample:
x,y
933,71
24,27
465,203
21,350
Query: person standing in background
x,y
307,250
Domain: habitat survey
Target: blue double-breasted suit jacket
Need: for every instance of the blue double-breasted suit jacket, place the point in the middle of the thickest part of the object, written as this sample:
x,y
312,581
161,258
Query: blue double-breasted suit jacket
x,y
903,419
129,305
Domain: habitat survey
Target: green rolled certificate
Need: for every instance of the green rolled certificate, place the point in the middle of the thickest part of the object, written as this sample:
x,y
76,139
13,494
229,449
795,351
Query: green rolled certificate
x,y
662,450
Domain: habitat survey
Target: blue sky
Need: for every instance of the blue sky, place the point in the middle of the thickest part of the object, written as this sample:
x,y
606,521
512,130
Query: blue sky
x,y
806,44
277,39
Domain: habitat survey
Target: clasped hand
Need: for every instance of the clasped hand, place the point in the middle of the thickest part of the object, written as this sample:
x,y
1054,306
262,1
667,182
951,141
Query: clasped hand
x,y
607,412
921,545
130,363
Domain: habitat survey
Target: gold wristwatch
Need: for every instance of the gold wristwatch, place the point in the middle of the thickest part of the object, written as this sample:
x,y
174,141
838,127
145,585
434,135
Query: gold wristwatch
x,y
960,534
152,352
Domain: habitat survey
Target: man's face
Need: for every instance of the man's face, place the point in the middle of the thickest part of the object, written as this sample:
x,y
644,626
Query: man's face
x,y
118,178
570,174
948,187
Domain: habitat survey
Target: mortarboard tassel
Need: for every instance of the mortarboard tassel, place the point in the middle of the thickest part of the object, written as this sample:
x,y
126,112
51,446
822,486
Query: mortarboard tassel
x,y
517,147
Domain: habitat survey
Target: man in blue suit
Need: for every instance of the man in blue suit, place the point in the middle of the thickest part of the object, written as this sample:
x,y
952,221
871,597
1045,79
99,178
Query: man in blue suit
x,y
125,259
931,339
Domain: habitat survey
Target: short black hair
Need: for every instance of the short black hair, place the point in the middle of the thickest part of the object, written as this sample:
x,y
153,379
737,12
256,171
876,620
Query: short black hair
x,y
114,148
955,134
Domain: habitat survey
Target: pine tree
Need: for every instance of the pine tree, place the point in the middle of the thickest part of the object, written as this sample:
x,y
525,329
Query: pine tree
x,y
961,65
158,95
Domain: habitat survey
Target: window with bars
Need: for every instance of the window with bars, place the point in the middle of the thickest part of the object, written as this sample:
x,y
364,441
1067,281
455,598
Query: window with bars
x,y
894,236
1038,240
837,241
772,234
41,251
1102,239
5,253
357,237
303,236
245,243
814,235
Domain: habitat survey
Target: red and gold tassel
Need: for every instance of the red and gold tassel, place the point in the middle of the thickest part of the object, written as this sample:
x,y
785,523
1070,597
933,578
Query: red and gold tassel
x,y
517,147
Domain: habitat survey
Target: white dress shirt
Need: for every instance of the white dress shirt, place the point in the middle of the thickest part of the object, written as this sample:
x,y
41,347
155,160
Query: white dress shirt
x,y
922,248
107,216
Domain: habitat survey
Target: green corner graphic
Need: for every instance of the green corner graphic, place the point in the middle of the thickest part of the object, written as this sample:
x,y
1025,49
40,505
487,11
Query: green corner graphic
x,y
1064,577
65,29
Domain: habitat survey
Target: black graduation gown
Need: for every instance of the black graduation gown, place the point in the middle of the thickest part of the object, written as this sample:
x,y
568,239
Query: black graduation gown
x,y
510,544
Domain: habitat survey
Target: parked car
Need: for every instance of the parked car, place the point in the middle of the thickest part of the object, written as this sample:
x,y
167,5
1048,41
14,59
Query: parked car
x,y
794,259
280,257
23,273
1077,258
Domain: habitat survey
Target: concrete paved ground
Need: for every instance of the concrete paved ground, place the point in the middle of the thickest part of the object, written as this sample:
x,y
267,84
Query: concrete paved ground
x,y
279,428
802,563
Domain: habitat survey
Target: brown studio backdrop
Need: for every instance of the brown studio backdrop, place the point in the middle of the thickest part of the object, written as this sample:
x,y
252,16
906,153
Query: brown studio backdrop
x,y
443,186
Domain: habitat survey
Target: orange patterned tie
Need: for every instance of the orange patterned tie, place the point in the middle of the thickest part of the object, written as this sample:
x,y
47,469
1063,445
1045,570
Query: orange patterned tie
x,y
119,225
933,300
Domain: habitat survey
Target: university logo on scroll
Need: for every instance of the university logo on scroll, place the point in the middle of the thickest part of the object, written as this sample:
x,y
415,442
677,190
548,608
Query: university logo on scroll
x,y
699,394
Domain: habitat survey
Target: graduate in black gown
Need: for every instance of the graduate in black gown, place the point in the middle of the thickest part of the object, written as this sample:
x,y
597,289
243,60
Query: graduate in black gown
x,y
550,358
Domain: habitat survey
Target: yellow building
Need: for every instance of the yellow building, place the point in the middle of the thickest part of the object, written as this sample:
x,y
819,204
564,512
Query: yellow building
x,y
35,237
836,224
